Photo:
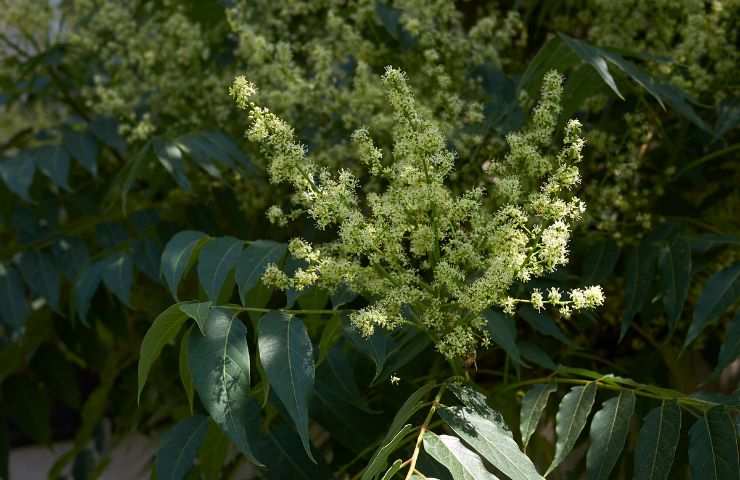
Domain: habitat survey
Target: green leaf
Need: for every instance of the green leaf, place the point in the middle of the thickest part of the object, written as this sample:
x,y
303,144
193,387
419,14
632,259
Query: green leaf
x,y
379,460
186,378
571,418
491,438
27,403
217,260
84,289
377,346
179,446
286,354
178,257
213,453
542,323
17,173
609,429
285,458
554,55
599,262
393,470
657,442
53,161
462,463
594,57
118,276
532,353
41,275
83,148
170,156
713,447
14,308
720,292
162,331
254,261
730,349
198,311
533,405
219,363
339,372
638,281
503,331
675,270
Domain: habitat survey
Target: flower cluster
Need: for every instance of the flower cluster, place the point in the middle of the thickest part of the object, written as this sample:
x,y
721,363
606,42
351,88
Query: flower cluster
x,y
417,251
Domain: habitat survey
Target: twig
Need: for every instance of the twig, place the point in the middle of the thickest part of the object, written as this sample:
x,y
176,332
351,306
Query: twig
x,y
423,430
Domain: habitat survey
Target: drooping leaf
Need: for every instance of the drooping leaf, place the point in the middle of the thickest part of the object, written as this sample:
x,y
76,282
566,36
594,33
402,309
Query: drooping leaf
x,y
14,308
533,405
177,257
379,460
638,281
503,332
17,173
214,452
285,458
170,156
41,275
730,349
377,346
162,331
217,260
393,470
118,276
179,446
542,323
219,363
713,446
472,398
721,290
53,161
198,311
609,429
462,463
675,271
83,148
571,418
657,442
253,262
183,365
600,261
492,440
147,256
532,353
286,353
339,371
84,289
27,404
71,256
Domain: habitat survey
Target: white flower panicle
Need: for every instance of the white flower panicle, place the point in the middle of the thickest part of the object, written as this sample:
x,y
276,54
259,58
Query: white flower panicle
x,y
423,254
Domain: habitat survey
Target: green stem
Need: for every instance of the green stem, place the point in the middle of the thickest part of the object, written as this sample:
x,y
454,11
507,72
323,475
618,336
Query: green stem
x,y
285,310
705,159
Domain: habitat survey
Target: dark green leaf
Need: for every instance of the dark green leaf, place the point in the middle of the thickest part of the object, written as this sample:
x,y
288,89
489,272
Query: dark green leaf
x,y
491,438
379,461
170,156
462,463
41,275
393,470
609,429
84,290
147,255
533,405
600,261
675,271
53,161
713,447
28,405
571,418
542,323
638,281
13,305
198,311
219,363
118,276
377,346
286,354
720,292
183,363
253,262
179,446
730,349
17,173
532,353
657,442
83,148
285,458
595,57
554,55
177,257
217,260
162,331
503,332
214,452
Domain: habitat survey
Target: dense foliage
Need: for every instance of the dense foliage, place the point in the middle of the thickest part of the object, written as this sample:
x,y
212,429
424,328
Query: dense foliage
x,y
372,239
